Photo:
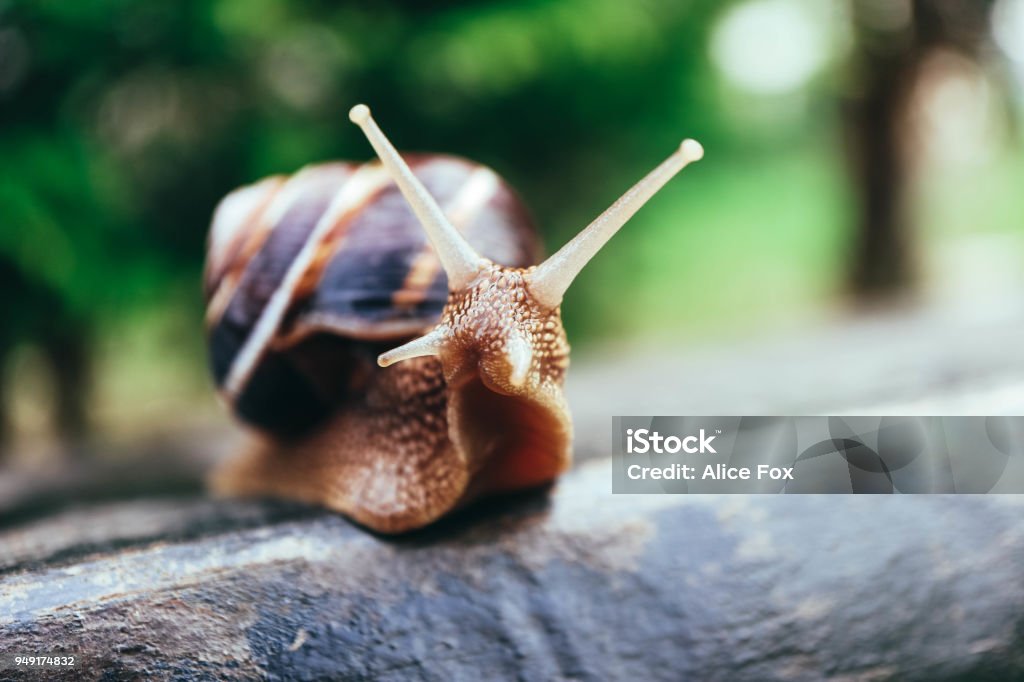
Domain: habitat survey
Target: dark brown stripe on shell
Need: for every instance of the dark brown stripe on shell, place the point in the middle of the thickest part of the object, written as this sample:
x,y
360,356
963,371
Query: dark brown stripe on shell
x,y
347,200
226,262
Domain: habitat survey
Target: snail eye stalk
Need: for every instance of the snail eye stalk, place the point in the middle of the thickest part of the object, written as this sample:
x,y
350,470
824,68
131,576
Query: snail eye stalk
x,y
459,260
430,344
549,282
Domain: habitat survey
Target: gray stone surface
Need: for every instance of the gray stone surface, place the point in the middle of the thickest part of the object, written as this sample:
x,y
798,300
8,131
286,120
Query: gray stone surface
x,y
576,585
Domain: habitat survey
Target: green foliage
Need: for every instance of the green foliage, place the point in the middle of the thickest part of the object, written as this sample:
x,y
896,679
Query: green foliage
x,y
125,121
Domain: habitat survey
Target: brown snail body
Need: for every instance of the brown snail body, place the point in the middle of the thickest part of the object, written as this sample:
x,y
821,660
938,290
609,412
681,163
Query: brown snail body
x,y
310,279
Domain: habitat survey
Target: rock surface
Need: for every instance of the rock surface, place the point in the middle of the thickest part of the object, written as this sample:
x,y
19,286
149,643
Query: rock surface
x,y
575,585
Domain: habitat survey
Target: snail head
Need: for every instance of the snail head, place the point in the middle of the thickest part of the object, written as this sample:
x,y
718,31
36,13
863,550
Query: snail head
x,y
505,323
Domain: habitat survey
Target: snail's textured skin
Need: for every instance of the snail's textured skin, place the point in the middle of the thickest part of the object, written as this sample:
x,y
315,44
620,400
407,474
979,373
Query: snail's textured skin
x,y
384,458
418,439
495,306
480,322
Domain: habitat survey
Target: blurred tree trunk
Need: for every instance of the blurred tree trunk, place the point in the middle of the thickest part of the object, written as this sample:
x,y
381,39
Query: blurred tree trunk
x,y
11,281
67,350
5,422
882,261
43,320
892,40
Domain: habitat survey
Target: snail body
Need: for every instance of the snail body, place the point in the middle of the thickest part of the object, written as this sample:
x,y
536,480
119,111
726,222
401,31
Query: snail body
x,y
310,280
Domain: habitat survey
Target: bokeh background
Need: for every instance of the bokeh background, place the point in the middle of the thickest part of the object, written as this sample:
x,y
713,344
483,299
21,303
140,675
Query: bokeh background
x,y
861,153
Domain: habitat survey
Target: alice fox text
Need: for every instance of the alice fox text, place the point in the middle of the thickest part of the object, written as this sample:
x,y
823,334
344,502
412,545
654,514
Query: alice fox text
x,y
714,472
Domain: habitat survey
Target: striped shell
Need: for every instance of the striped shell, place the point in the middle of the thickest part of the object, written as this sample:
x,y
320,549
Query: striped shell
x,y
308,272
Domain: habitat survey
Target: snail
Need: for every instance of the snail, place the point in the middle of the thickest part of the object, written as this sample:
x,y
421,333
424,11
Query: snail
x,y
396,363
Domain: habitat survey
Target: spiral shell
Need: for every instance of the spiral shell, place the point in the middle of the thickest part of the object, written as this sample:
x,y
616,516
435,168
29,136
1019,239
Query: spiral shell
x,y
307,273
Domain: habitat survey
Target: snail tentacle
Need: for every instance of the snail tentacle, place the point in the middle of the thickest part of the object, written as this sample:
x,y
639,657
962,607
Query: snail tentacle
x,y
552,278
429,344
460,261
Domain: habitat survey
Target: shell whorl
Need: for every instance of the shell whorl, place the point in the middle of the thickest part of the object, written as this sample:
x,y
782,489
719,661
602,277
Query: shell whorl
x,y
333,253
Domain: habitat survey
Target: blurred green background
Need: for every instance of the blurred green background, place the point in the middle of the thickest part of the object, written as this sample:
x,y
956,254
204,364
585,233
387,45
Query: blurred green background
x,y
857,152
